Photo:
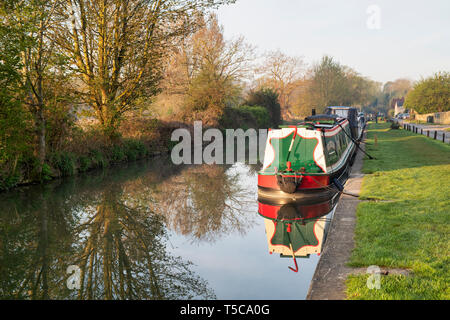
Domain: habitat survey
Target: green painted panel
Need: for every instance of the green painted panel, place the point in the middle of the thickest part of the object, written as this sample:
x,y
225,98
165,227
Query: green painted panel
x,y
300,235
301,155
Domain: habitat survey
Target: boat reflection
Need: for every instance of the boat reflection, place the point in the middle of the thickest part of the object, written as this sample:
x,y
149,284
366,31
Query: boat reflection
x,y
297,229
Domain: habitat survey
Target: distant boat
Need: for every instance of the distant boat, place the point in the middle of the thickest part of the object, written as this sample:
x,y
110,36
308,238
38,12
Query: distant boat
x,y
310,160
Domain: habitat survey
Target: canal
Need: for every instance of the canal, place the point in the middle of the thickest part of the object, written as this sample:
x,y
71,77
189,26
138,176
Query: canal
x,y
146,230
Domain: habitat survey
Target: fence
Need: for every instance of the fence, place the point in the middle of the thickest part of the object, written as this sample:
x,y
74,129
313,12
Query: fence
x,y
440,135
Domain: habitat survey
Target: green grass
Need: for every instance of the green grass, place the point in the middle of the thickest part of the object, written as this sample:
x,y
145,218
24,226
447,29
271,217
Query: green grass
x,y
410,228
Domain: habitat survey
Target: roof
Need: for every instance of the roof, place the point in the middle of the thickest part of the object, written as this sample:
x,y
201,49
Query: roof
x,y
323,117
340,107
398,101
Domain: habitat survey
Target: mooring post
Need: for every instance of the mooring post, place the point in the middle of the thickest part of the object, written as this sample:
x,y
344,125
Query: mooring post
x,y
428,133
443,136
435,135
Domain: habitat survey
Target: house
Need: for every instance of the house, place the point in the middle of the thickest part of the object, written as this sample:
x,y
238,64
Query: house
x,y
398,104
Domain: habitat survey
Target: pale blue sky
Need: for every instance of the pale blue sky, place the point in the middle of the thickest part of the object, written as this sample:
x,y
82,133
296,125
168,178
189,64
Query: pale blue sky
x,y
413,39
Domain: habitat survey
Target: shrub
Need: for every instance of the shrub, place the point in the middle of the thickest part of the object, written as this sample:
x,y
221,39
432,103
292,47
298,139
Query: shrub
x,y
268,99
117,154
84,163
134,149
260,114
233,118
98,159
430,95
64,162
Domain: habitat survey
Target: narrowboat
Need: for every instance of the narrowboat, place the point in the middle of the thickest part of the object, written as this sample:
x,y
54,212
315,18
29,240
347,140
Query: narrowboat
x,y
310,160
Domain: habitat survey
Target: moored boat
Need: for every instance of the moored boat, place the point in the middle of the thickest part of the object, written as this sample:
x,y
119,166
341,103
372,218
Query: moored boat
x,y
310,159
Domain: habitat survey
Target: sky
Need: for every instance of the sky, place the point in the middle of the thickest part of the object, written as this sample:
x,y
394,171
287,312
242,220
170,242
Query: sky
x,y
383,40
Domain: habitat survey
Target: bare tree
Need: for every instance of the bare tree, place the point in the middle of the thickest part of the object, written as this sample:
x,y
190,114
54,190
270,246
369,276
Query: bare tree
x,y
281,72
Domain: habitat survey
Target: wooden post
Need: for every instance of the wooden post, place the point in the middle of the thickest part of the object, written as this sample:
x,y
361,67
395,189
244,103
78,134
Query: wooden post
x,y
428,133
443,136
435,135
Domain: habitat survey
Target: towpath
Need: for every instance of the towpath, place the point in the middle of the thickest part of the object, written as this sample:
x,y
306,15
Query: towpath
x,y
328,281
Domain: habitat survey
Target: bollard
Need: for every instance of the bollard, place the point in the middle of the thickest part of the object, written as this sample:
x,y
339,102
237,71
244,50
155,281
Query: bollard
x,y
435,135
428,133
443,136
421,131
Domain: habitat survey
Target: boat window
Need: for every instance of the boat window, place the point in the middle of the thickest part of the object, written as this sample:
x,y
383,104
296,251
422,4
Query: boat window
x,y
331,147
340,112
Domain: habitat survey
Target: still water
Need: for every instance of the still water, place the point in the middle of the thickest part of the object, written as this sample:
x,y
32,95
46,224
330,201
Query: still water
x,y
146,230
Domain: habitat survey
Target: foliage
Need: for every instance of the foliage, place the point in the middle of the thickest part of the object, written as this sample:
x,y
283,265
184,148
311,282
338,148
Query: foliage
x,y
267,98
15,135
204,74
64,162
118,71
260,114
431,94
245,117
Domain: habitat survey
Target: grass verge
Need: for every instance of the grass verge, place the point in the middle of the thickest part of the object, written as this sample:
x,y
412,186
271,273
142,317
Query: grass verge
x,y
410,227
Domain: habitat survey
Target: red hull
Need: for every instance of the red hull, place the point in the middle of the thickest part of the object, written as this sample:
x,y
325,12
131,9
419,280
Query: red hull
x,y
308,182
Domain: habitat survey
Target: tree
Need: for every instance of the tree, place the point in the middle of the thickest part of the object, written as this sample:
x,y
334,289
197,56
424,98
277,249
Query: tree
x,y
431,94
116,47
29,22
328,84
206,72
280,72
14,135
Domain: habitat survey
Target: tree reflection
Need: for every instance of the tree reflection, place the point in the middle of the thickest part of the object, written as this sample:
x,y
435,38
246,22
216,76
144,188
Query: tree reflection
x,y
205,202
119,245
124,255
113,226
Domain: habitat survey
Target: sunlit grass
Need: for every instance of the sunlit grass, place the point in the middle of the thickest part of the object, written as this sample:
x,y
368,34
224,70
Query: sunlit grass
x,y
411,228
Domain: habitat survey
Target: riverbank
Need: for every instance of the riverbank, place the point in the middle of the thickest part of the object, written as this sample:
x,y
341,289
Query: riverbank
x,y
407,227
86,149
